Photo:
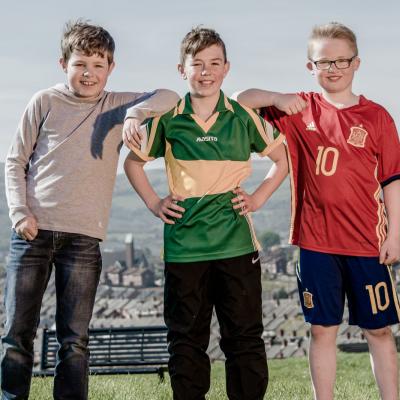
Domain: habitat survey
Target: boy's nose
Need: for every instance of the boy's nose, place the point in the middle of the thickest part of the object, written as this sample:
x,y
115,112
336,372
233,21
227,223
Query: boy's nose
x,y
332,67
86,73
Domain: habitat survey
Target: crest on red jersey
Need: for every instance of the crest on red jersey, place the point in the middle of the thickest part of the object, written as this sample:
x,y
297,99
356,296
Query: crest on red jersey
x,y
357,136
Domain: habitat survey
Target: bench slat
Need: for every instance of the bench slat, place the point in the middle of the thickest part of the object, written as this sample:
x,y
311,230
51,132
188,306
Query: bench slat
x,y
139,349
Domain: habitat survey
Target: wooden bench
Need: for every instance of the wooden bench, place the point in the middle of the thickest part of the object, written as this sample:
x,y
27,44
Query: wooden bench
x,y
136,350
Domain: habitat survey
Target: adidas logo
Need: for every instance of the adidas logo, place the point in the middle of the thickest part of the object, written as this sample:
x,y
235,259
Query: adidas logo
x,y
311,126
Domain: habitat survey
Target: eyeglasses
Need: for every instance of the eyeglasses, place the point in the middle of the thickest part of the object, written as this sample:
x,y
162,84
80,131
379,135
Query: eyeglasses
x,y
341,63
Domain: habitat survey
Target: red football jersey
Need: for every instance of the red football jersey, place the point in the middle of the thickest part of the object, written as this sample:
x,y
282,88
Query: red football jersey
x,y
340,160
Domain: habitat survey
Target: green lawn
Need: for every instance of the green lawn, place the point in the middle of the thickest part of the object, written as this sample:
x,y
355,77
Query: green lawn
x,y
289,380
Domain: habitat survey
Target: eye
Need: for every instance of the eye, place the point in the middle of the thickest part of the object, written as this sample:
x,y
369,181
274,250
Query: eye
x,y
322,64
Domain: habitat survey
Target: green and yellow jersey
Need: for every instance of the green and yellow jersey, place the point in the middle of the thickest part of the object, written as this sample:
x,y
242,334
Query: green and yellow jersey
x,y
205,162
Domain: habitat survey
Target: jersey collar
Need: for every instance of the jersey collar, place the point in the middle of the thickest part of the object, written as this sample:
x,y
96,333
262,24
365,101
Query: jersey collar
x,y
361,102
185,105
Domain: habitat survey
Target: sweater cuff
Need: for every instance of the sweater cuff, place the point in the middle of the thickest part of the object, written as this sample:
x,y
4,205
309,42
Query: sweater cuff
x,y
136,113
19,214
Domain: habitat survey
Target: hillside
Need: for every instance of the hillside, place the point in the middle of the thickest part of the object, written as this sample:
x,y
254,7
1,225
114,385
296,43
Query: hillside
x,y
129,214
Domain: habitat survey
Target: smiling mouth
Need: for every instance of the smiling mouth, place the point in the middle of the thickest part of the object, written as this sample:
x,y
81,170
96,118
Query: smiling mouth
x,y
334,78
206,83
86,83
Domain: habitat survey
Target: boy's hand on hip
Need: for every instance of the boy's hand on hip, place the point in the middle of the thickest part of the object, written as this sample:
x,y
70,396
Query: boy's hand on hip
x,y
244,202
167,208
131,135
289,103
27,228
390,251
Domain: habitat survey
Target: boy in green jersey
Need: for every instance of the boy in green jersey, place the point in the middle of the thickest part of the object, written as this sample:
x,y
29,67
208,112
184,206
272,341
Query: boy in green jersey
x,y
210,250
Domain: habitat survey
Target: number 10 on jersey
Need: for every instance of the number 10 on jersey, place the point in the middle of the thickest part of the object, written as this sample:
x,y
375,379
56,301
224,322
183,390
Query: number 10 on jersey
x,y
327,160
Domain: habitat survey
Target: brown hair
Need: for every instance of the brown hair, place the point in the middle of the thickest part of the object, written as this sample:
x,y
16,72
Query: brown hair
x,y
89,39
199,39
333,30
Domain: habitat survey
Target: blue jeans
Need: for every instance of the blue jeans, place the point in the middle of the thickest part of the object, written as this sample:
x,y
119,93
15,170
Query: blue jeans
x,y
77,263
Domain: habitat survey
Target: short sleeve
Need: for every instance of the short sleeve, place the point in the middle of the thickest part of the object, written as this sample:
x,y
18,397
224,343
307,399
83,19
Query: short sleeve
x,y
389,151
282,121
276,118
153,144
262,135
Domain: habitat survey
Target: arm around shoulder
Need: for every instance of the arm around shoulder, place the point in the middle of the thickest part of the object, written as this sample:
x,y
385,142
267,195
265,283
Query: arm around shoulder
x,y
154,104
255,98
158,103
258,98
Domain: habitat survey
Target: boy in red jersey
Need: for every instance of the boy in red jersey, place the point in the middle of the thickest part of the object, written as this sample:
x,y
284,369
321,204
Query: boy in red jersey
x,y
344,150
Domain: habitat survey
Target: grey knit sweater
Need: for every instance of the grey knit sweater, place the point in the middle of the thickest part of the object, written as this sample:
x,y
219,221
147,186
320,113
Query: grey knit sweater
x,y
62,163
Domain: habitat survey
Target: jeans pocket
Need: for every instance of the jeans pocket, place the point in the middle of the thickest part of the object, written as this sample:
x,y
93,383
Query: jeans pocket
x,y
15,236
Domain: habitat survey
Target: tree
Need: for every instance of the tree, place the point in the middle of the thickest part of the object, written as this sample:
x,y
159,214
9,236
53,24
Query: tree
x,y
269,239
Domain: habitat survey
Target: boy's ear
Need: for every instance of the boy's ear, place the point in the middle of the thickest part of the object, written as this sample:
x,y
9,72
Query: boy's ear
x,y
357,63
227,67
309,66
111,67
63,64
181,70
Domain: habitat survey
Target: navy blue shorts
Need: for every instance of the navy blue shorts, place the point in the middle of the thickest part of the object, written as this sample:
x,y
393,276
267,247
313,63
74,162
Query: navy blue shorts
x,y
325,280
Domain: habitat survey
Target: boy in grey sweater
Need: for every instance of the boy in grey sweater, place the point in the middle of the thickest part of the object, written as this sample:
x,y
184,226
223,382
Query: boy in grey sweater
x,y
60,173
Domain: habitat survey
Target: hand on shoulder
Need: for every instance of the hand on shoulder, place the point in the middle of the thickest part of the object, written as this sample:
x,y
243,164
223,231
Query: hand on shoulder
x,y
131,133
289,103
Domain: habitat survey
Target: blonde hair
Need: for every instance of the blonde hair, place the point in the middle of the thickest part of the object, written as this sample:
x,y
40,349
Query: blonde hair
x,y
333,30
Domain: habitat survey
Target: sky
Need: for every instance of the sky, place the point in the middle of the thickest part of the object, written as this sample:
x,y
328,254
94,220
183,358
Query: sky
x,y
266,44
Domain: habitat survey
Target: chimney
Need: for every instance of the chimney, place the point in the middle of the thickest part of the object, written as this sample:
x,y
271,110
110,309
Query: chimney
x,y
129,250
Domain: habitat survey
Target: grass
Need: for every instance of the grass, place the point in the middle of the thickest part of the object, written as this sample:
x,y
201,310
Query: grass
x,y
289,380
